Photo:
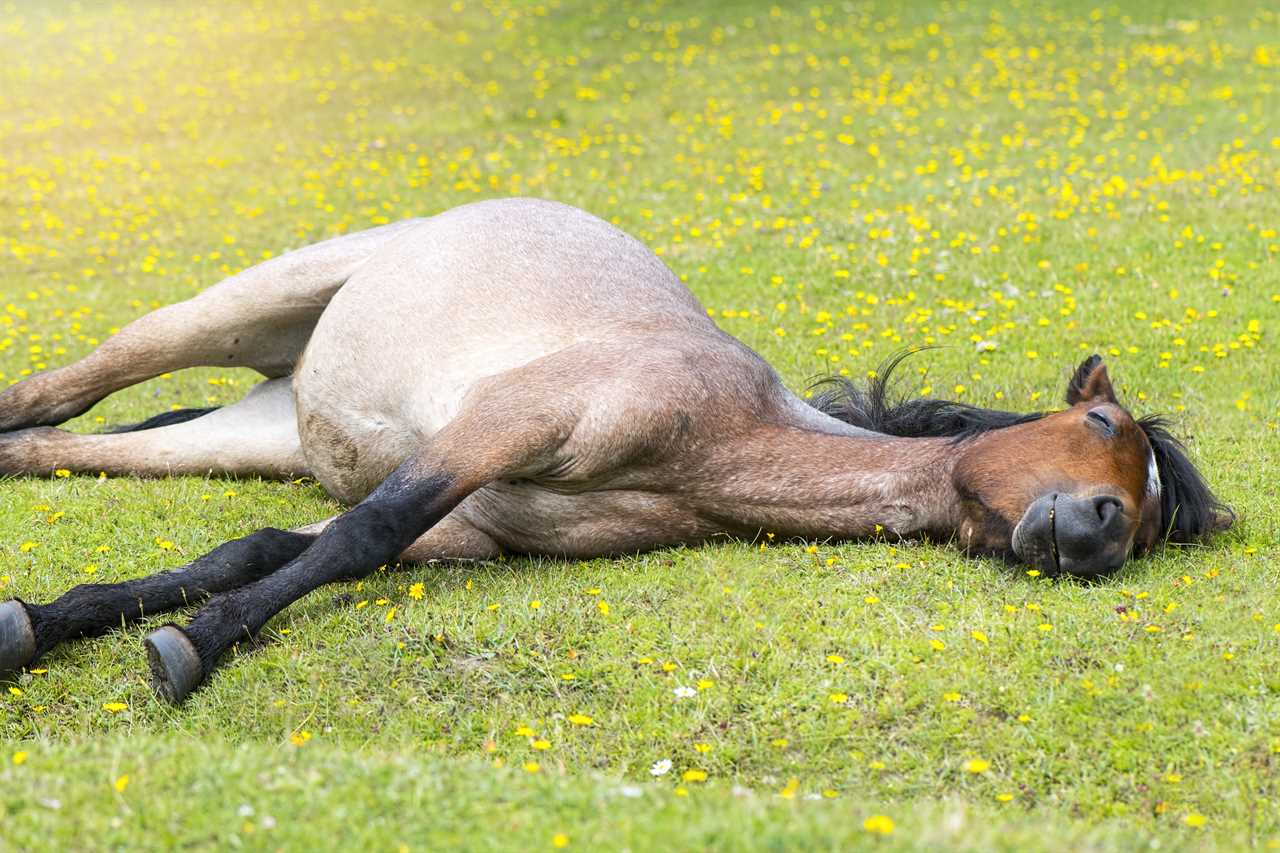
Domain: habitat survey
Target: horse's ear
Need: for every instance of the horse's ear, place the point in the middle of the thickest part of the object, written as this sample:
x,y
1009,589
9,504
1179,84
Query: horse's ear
x,y
1090,382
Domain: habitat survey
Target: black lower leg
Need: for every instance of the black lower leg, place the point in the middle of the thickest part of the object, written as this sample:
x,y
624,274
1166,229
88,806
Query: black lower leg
x,y
91,609
355,544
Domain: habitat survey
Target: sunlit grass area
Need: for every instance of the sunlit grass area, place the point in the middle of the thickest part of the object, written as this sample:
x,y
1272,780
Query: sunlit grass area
x,y
1015,185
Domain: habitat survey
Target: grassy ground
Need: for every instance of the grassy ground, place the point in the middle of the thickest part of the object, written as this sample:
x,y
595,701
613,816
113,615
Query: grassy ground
x,y
1017,185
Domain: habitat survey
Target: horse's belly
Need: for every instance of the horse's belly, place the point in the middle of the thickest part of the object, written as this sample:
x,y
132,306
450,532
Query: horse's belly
x,y
525,518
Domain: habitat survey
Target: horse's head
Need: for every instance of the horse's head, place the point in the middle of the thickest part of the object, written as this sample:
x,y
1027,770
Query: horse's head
x,y
1080,490
1071,492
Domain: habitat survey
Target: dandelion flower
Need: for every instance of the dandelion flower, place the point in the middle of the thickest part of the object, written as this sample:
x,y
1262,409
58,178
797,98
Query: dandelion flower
x,y
878,824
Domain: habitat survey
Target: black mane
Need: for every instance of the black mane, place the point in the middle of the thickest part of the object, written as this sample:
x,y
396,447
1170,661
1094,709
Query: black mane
x,y
1188,508
873,408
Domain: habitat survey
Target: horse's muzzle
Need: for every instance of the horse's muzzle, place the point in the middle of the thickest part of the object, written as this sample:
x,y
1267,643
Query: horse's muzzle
x,y
1063,534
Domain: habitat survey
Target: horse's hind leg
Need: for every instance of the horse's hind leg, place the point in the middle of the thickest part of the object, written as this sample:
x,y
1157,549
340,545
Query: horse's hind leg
x,y
257,435
260,318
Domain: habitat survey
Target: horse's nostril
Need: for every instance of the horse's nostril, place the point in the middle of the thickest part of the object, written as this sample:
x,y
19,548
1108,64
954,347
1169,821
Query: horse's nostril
x,y
1107,508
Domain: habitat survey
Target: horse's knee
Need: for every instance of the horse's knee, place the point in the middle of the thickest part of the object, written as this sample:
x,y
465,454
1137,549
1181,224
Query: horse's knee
x,y
262,552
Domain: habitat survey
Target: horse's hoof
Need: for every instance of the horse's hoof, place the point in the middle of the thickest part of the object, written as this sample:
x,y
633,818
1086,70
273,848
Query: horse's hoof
x,y
17,637
175,666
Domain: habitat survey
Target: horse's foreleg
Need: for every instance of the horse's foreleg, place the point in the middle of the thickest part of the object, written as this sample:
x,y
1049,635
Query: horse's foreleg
x,y
28,631
257,435
356,543
475,449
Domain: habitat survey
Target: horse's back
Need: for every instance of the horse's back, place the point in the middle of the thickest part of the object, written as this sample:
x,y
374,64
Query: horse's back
x,y
472,293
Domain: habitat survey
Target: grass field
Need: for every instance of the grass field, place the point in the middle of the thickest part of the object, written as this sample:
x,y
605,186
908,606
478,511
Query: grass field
x,y
1016,184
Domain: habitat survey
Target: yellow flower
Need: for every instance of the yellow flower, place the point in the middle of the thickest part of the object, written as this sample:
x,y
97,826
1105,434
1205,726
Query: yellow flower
x,y
1195,820
114,707
695,776
416,592
979,636
19,757
122,783
839,698
977,765
878,824
580,719
559,840
541,743
299,738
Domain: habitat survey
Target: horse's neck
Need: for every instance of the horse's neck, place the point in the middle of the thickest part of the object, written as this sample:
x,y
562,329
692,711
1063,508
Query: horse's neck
x,y
795,481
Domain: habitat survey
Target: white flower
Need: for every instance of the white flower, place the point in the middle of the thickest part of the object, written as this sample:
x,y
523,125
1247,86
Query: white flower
x,y
660,768
684,692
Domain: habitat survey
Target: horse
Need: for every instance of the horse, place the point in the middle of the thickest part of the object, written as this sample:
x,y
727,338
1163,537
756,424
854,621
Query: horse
x,y
519,376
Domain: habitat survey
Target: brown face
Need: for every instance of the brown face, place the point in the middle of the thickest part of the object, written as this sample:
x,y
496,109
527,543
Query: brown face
x,y
1075,492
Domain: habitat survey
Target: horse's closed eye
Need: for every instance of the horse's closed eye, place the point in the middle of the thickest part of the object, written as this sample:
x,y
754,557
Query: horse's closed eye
x,y
1099,420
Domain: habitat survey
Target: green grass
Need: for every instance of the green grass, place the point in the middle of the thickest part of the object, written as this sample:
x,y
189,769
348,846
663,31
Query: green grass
x,y
835,183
